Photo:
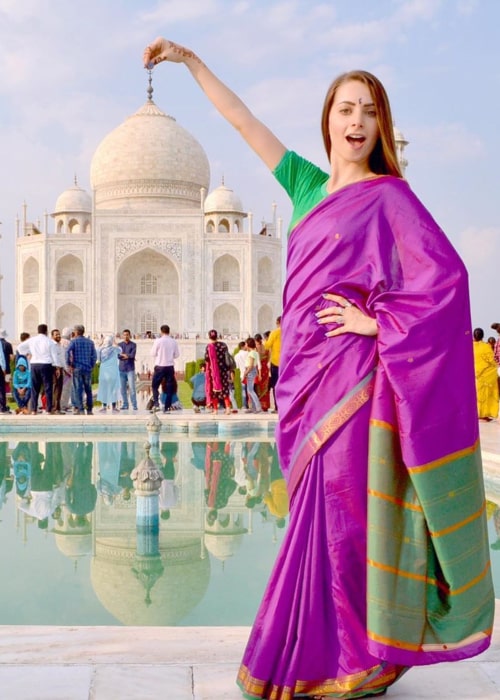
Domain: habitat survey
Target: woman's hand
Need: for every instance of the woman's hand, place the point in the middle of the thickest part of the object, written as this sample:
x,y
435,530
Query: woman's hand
x,y
348,317
164,50
261,139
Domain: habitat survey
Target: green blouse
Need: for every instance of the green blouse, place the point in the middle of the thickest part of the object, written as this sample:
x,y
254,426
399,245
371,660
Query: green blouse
x,y
304,182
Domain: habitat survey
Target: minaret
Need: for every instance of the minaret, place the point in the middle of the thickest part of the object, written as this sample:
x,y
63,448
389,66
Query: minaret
x,y
401,144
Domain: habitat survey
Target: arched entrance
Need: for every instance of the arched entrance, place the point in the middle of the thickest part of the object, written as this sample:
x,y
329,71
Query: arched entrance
x,y
148,293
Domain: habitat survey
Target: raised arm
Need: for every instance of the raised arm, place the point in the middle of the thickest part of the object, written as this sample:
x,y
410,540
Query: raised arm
x,y
256,134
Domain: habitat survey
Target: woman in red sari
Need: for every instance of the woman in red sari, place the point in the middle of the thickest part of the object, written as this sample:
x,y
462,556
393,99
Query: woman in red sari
x,y
216,374
385,562
263,386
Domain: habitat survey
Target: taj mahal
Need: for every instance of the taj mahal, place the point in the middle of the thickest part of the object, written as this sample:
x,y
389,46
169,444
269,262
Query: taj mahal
x,y
150,245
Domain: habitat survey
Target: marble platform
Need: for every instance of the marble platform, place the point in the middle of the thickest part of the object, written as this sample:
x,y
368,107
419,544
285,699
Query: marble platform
x,y
187,663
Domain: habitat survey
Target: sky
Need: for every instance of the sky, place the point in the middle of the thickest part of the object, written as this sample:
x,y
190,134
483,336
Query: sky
x,y
71,73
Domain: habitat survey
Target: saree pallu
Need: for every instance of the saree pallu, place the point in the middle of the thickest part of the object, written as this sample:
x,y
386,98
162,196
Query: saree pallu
x,y
385,561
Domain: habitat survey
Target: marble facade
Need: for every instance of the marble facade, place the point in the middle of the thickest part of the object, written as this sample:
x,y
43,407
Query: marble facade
x,y
148,246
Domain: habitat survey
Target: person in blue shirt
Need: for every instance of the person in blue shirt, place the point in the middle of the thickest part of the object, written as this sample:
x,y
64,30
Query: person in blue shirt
x,y
127,370
82,356
199,397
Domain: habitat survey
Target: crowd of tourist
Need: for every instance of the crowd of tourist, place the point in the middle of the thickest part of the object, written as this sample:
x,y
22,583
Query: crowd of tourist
x,y
57,373
54,374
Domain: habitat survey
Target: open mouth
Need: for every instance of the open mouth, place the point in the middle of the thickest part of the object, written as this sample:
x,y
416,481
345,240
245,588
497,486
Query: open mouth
x,y
356,140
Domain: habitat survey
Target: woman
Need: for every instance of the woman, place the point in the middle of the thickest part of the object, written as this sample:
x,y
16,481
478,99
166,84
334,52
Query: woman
x,y
379,569
486,373
216,374
263,385
252,376
496,350
21,384
108,390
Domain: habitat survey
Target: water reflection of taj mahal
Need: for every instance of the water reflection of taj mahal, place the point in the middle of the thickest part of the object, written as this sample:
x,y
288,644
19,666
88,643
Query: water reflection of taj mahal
x,y
154,568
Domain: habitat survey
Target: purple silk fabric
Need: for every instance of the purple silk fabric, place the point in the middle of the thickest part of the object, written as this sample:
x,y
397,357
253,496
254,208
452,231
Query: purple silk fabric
x,y
377,246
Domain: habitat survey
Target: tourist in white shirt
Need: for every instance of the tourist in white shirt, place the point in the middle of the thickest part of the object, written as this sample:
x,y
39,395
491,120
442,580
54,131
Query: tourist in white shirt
x,y
164,352
57,384
43,359
241,360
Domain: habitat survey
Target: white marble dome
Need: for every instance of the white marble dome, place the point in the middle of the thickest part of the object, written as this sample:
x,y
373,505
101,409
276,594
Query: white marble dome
x,y
73,200
149,159
223,200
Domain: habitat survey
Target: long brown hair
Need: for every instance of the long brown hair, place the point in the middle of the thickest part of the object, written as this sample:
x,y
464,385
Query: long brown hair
x,y
383,159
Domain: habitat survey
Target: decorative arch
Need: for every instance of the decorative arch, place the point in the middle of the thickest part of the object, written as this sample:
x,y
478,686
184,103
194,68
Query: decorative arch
x,y
69,274
69,315
226,274
86,226
147,292
210,228
224,226
30,319
31,276
265,319
265,275
74,226
237,226
60,226
226,320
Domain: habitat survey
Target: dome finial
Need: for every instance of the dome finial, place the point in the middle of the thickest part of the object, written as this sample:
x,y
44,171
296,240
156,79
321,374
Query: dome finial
x,y
222,180
150,88
76,181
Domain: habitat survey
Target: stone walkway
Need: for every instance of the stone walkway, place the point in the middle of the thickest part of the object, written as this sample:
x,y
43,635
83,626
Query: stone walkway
x,y
183,663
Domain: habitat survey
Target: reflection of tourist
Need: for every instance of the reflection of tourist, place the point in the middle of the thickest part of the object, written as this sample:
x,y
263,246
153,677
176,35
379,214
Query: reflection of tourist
x,y
21,466
127,465
199,452
219,482
169,491
81,494
47,493
276,496
6,481
108,482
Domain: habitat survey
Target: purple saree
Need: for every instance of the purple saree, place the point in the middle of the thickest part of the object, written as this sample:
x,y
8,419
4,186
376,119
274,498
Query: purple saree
x,y
385,562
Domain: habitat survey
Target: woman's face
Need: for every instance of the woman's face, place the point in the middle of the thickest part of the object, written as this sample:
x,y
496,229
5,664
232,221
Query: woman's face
x,y
353,123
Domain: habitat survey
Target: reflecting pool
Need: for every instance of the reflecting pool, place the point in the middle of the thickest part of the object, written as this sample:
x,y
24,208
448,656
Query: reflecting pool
x,y
83,544
173,532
